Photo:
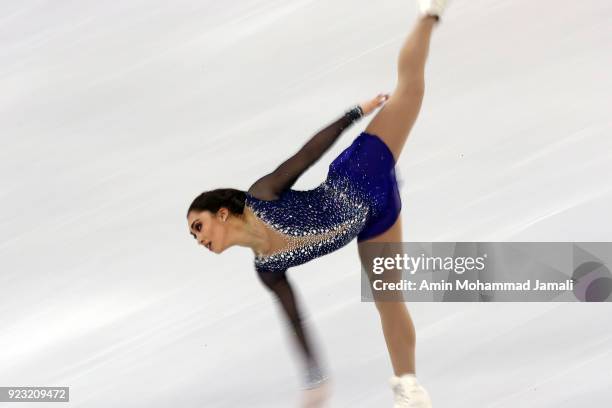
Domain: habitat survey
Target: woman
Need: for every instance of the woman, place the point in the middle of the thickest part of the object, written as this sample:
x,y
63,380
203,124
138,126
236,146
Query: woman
x,y
359,198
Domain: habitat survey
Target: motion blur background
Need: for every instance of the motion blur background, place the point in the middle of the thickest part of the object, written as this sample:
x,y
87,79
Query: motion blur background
x,y
114,115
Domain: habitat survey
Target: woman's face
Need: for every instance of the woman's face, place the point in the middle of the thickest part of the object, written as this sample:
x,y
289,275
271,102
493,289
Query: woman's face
x,y
209,229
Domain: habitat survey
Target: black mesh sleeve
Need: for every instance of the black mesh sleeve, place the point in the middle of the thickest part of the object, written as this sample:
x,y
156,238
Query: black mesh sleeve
x,y
270,186
280,286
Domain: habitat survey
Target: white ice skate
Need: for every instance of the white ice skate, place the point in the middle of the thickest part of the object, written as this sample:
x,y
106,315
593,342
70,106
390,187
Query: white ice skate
x,y
409,393
432,7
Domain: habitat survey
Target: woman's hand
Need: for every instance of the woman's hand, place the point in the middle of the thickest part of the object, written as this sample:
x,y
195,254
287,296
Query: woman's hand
x,y
371,105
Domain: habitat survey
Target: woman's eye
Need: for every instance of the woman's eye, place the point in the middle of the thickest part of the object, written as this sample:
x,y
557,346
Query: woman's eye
x,y
198,227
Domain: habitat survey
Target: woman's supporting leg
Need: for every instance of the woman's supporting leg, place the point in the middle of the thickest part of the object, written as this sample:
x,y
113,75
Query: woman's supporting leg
x,y
395,119
397,325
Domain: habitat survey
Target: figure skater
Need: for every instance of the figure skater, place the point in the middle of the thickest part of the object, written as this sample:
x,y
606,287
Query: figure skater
x,y
359,198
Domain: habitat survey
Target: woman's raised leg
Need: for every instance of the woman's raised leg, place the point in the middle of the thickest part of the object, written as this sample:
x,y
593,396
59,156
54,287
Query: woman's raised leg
x,y
395,119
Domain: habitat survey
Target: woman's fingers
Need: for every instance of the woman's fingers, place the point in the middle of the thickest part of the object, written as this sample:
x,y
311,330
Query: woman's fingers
x,y
380,99
371,105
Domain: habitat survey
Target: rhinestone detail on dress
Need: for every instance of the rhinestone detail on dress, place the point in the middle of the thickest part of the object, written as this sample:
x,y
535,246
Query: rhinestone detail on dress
x,y
312,223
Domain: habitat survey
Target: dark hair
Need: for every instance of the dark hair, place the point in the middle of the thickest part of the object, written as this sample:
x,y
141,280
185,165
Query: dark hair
x,y
212,200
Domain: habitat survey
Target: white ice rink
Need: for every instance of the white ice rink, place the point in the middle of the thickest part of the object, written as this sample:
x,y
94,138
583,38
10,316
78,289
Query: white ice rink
x,y
115,115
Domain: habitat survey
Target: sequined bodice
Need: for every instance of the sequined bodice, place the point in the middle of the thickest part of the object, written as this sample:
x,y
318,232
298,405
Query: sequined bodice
x,y
312,222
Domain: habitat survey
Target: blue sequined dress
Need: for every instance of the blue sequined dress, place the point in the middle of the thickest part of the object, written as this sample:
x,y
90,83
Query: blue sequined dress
x,y
359,198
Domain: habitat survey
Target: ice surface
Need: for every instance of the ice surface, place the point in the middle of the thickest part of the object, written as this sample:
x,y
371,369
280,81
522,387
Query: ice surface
x,y
114,115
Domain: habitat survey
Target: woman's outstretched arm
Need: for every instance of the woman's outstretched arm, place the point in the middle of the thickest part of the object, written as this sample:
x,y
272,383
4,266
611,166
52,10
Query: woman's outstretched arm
x,y
280,286
272,185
